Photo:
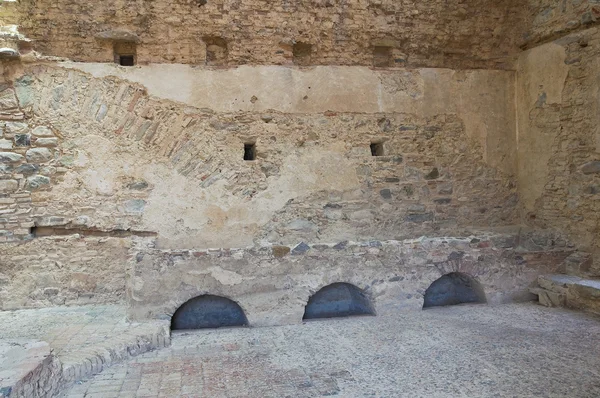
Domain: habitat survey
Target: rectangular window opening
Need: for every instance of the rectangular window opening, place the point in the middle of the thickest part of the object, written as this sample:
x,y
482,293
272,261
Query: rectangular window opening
x,y
125,53
249,151
126,60
377,148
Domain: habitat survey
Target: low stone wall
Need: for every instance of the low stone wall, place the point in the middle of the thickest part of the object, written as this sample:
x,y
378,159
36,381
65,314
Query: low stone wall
x,y
273,284
28,369
568,291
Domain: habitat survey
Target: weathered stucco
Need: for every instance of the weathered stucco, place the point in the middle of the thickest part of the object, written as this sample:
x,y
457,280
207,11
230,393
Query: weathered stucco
x,y
541,79
481,98
559,140
356,137
179,172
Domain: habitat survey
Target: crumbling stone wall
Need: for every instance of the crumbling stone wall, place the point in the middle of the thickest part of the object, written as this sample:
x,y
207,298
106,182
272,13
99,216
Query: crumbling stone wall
x,y
124,165
456,33
179,171
559,142
551,19
57,270
273,284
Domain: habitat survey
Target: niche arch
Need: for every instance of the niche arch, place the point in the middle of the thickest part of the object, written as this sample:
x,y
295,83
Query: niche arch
x,y
338,300
452,289
207,312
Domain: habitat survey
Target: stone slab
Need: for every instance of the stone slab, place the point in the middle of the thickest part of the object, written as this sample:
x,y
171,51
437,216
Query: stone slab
x,y
568,291
26,368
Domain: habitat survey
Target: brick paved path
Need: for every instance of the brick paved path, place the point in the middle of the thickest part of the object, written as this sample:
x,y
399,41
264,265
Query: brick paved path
x,y
463,351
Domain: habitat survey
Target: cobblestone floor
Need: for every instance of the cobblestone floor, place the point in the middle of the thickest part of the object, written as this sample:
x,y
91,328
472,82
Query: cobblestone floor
x,y
465,351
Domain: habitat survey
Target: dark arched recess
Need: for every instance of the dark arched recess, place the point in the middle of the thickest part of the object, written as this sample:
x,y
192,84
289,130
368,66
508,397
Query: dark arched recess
x,y
208,311
454,288
338,300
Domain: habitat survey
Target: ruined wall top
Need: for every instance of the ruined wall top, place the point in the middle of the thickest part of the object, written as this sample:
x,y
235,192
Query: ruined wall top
x,y
433,33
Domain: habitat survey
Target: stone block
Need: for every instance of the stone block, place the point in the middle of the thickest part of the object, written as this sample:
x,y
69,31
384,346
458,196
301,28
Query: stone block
x,y
49,142
550,299
6,144
37,182
591,167
557,283
38,155
27,169
22,140
42,131
7,186
10,157
13,128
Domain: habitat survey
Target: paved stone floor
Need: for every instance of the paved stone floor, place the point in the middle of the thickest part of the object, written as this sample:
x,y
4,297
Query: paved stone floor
x,y
76,334
520,350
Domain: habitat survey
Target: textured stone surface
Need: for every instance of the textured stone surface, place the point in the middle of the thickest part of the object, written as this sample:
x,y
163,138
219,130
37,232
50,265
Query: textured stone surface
x,y
569,291
550,19
559,139
292,192
84,270
454,33
473,351
274,290
27,369
10,157
84,341
38,155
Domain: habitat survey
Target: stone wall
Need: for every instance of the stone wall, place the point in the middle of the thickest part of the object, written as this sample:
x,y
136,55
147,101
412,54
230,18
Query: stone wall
x,y
52,271
559,141
113,163
272,284
455,33
179,171
551,19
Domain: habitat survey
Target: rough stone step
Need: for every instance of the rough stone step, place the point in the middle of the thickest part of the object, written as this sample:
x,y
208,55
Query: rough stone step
x,y
27,369
80,365
568,291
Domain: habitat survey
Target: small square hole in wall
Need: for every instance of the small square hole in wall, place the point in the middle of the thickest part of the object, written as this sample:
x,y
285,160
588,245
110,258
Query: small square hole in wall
x,y
125,53
382,56
377,149
126,60
249,151
216,51
301,53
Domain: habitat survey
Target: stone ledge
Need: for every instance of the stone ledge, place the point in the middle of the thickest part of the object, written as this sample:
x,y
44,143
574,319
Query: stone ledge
x,y
27,369
95,359
81,342
568,291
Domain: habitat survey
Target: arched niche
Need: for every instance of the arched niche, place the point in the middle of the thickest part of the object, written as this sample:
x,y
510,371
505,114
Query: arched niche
x,y
338,300
208,311
452,289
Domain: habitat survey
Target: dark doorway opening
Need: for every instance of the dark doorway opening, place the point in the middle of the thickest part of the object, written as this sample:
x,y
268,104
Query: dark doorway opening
x,y
338,300
452,289
208,311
